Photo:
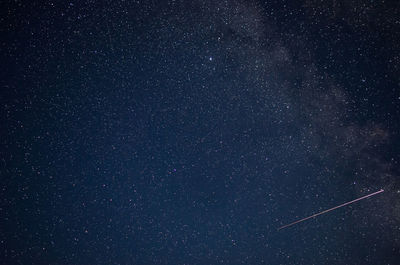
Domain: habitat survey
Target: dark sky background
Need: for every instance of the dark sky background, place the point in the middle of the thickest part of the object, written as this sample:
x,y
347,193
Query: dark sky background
x,y
187,132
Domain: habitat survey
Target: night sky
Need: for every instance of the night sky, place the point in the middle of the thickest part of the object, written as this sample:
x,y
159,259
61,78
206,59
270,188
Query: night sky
x,y
186,132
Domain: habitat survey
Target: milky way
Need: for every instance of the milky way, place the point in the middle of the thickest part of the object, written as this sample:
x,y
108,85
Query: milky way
x,y
186,132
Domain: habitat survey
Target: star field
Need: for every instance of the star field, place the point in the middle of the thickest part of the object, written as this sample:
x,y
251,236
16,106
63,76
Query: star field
x,y
187,132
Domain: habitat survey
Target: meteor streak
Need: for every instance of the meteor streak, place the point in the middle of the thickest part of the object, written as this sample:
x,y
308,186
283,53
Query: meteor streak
x,y
331,209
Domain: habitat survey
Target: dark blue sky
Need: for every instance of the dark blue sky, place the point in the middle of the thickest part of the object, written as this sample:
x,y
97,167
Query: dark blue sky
x,y
187,132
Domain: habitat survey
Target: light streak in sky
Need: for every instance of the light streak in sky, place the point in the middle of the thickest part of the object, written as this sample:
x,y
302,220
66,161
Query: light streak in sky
x,y
331,209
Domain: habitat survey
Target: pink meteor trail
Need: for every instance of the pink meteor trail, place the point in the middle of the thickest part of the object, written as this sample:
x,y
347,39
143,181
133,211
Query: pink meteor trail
x,y
331,209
